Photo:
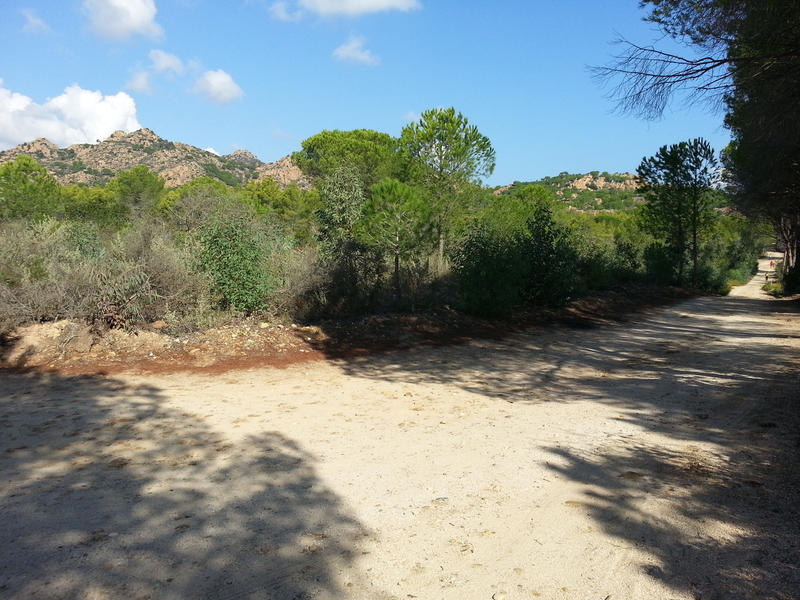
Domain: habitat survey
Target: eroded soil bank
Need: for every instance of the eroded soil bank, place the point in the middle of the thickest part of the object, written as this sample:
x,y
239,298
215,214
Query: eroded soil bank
x,y
655,458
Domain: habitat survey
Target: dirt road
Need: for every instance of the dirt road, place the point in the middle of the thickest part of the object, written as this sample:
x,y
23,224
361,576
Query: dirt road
x,y
650,459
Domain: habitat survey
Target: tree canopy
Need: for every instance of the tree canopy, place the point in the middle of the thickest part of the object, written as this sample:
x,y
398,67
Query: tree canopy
x,y
446,155
397,220
677,183
138,187
27,189
370,153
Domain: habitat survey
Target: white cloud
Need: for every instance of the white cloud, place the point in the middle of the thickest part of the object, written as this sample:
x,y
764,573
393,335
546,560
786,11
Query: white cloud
x,y
218,87
281,11
140,82
411,116
351,8
33,24
120,19
353,51
77,116
357,7
164,61
211,150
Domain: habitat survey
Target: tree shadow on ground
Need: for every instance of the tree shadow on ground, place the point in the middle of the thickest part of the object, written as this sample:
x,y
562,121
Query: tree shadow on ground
x,y
107,493
717,526
715,504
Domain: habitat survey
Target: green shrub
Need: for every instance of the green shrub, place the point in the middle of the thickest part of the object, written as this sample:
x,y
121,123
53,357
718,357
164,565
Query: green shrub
x,y
225,177
53,270
61,272
233,254
494,271
302,293
490,272
353,278
182,290
659,264
551,253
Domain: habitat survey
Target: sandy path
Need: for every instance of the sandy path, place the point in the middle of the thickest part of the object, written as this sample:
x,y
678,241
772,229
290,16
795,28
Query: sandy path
x,y
651,459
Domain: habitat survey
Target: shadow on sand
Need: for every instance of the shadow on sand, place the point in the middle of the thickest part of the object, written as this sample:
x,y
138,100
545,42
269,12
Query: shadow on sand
x,y
706,371
108,494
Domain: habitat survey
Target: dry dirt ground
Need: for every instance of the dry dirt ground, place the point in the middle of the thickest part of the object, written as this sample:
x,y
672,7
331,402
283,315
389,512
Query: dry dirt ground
x,y
654,459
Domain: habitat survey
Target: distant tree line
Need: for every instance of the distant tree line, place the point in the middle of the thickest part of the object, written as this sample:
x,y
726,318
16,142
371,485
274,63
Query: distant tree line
x,y
391,223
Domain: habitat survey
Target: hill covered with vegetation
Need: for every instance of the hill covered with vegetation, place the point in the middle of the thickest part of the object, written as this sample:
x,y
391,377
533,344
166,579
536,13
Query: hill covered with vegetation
x,y
178,163
589,191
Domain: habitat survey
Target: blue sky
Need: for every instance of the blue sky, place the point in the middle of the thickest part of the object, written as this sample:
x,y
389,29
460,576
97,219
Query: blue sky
x,y
264,75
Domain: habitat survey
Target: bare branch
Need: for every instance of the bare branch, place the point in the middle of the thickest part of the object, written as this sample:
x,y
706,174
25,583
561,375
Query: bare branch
x,y
650,78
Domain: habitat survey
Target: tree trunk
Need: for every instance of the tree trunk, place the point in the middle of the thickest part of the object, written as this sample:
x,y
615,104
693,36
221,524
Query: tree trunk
x,y
695,253
397,291
789,234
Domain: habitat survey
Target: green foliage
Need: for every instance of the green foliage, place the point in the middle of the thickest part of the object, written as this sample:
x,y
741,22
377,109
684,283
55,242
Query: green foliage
x,y
27,190
445,150
187,208
371,154
395,218
397,221
490,271
233,254
677,182
343,198
505,215
551,253
508,214
183,293
495,270
57,269
750,65
353,271
264,196
353,279
730,256
153,147
292,206
446,156
139,188
593,197
299,209
198,187
99,205
225,177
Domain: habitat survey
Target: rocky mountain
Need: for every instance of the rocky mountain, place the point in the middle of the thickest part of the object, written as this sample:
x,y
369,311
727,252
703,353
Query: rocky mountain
x,y
592,181
587,192
567,183
178,163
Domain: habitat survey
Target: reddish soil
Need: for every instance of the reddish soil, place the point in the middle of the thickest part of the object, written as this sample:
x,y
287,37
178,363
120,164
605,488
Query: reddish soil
x,y
252,344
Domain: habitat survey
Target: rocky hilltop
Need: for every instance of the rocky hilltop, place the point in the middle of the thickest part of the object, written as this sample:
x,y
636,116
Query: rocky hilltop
x,y
565,183
617,181
178,163
592,192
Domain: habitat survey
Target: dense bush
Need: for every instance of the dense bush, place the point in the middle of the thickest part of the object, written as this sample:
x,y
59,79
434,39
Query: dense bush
x,y
551,251
55,270
496,270
352,277
235,252
490,272
195,256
